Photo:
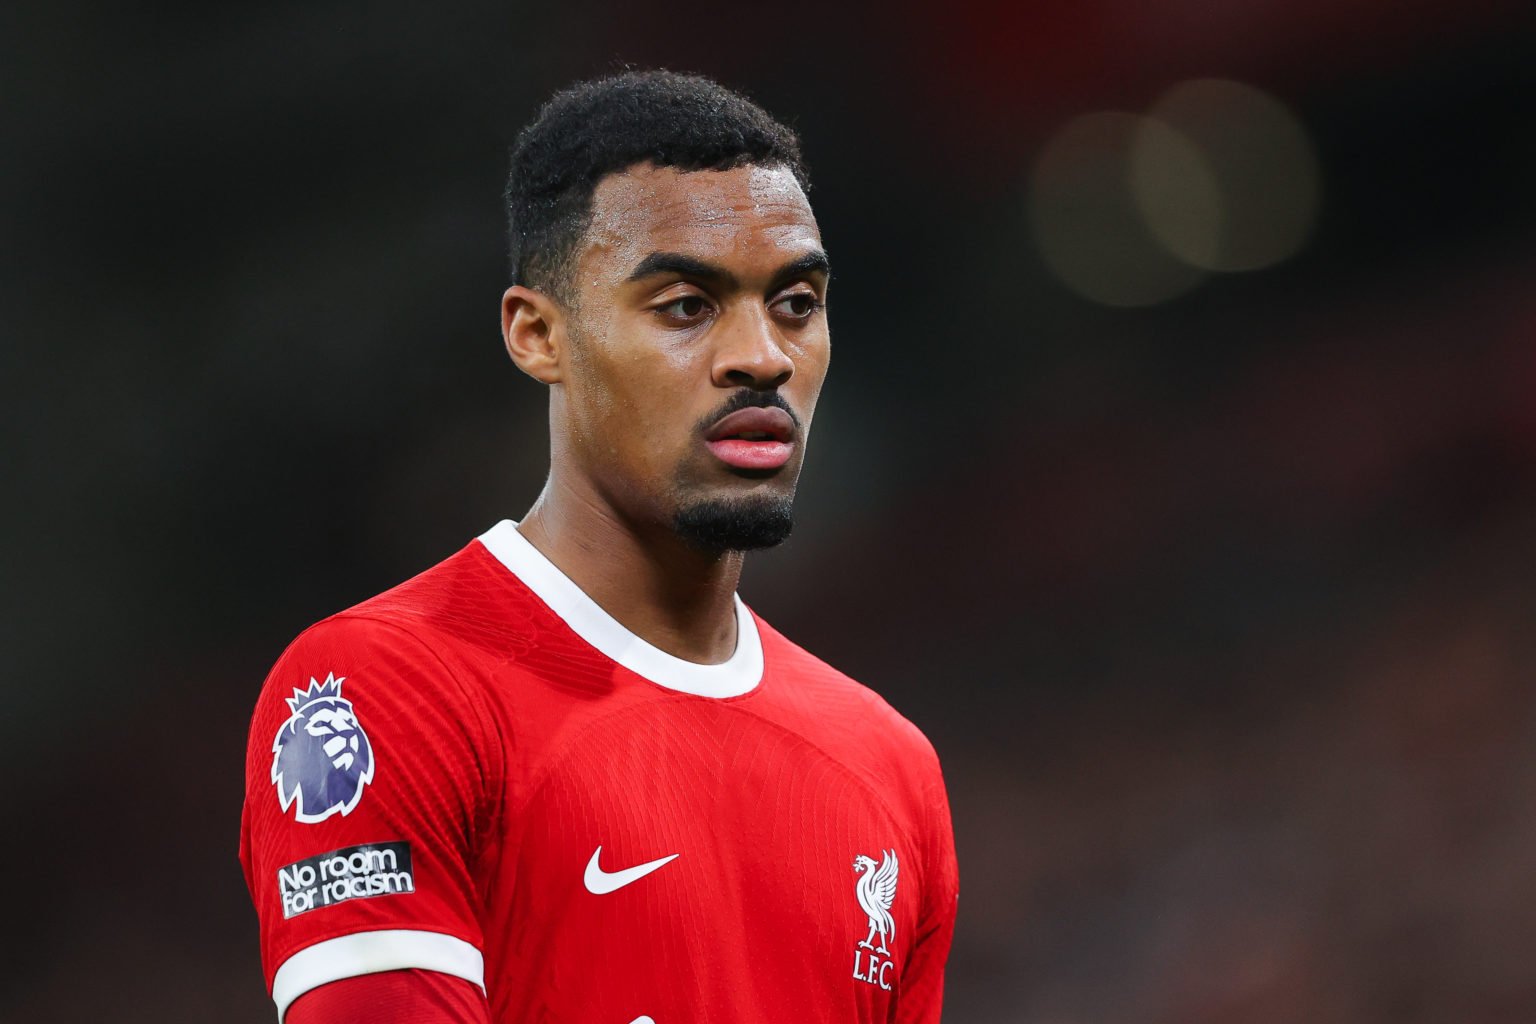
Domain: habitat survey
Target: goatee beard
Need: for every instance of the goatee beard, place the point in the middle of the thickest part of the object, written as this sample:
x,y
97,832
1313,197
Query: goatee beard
x,y
743,524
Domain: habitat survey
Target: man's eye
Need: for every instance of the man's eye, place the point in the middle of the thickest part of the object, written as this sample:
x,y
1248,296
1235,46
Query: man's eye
x,y
799,305
688,307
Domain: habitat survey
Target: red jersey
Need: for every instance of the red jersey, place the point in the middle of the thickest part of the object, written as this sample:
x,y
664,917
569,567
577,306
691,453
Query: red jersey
x,y
482,773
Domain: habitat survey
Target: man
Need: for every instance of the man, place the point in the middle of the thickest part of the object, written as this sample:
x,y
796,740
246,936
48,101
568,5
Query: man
x,y
566,775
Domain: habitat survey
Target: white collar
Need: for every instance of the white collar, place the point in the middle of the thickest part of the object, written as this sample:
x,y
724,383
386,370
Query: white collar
x,y
740,674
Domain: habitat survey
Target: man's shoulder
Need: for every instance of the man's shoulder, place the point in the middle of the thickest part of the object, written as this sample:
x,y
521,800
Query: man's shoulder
x,y
406,653
844,708
435,637
467,601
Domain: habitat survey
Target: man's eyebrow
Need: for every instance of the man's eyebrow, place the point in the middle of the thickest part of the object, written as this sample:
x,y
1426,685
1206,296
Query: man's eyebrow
x,y
691,266
680,263
814,262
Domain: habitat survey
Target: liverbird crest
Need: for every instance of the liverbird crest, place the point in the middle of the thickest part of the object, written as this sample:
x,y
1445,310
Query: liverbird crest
x,y
876,890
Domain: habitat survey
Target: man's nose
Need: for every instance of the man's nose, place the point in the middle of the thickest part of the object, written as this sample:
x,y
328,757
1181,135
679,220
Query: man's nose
x,y
750,351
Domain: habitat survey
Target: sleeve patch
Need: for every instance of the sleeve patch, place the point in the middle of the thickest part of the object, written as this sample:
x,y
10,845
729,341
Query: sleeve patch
x,y
351,873
321,757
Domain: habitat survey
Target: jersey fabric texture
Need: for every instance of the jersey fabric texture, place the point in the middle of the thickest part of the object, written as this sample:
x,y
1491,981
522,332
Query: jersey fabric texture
x,y
481,773
392,997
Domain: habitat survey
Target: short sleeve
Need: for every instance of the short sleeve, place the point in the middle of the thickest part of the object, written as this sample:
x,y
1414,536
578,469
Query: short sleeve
x,y
922,979
366,792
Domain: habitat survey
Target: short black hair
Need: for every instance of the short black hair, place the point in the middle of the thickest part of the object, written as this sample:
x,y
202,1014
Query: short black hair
x,y
597,128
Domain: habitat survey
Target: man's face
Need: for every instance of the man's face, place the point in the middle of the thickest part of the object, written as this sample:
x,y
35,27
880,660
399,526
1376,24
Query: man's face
x,y
697,347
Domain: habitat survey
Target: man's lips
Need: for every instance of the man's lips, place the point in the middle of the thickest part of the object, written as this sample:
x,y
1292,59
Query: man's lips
x,y
754,424
755,438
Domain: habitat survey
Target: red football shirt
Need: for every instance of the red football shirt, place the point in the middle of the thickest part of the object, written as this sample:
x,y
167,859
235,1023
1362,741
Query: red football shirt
x,y
482,773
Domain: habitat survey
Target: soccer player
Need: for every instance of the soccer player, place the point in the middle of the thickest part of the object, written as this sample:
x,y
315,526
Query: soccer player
x,y
566,775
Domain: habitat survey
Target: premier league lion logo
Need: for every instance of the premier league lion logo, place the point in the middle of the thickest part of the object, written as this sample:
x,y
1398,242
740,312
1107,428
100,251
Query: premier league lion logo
x,y
321,758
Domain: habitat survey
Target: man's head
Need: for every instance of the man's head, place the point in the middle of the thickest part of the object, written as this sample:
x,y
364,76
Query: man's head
x,y
669,285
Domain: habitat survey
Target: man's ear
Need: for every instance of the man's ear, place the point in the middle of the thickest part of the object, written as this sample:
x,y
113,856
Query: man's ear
x,y
533,327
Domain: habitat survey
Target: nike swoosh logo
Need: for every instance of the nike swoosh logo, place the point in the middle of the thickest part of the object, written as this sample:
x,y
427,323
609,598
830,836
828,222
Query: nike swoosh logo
x,y
600,882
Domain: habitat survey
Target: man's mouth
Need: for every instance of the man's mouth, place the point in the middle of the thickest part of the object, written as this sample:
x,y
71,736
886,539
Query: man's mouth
x,y
755,438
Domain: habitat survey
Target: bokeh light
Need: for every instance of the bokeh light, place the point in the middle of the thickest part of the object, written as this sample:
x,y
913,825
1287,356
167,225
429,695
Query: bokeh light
x,y
1177,193
1133,210
1087,220
1257,158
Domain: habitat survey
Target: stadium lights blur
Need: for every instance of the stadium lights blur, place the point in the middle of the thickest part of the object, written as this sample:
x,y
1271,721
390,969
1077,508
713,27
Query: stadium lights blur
x,y
1132,210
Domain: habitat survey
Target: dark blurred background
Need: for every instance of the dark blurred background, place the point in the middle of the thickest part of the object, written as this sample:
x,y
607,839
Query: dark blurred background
x,y
1176,473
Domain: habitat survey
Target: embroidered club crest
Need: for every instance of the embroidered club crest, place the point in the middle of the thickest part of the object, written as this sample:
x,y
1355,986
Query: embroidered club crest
x,y
321,758
876,890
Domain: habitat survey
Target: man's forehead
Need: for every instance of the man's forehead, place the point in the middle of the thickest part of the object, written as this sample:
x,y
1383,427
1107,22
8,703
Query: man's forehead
x,y
646,208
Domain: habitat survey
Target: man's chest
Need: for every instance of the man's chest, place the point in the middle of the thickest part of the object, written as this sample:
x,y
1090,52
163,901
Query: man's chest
x,y
700,861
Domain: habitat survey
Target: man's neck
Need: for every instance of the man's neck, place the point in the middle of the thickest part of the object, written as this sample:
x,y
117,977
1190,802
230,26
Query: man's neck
x,y
672,596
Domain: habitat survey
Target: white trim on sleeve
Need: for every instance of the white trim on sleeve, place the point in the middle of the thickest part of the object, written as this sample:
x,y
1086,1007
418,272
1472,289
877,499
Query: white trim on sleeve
x,y
732,678
390,949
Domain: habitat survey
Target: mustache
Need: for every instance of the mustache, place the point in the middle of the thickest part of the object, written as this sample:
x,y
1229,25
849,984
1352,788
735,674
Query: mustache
x,y
746,398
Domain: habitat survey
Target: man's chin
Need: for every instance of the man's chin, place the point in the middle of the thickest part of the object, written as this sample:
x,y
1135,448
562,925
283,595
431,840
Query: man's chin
x,y
717,525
